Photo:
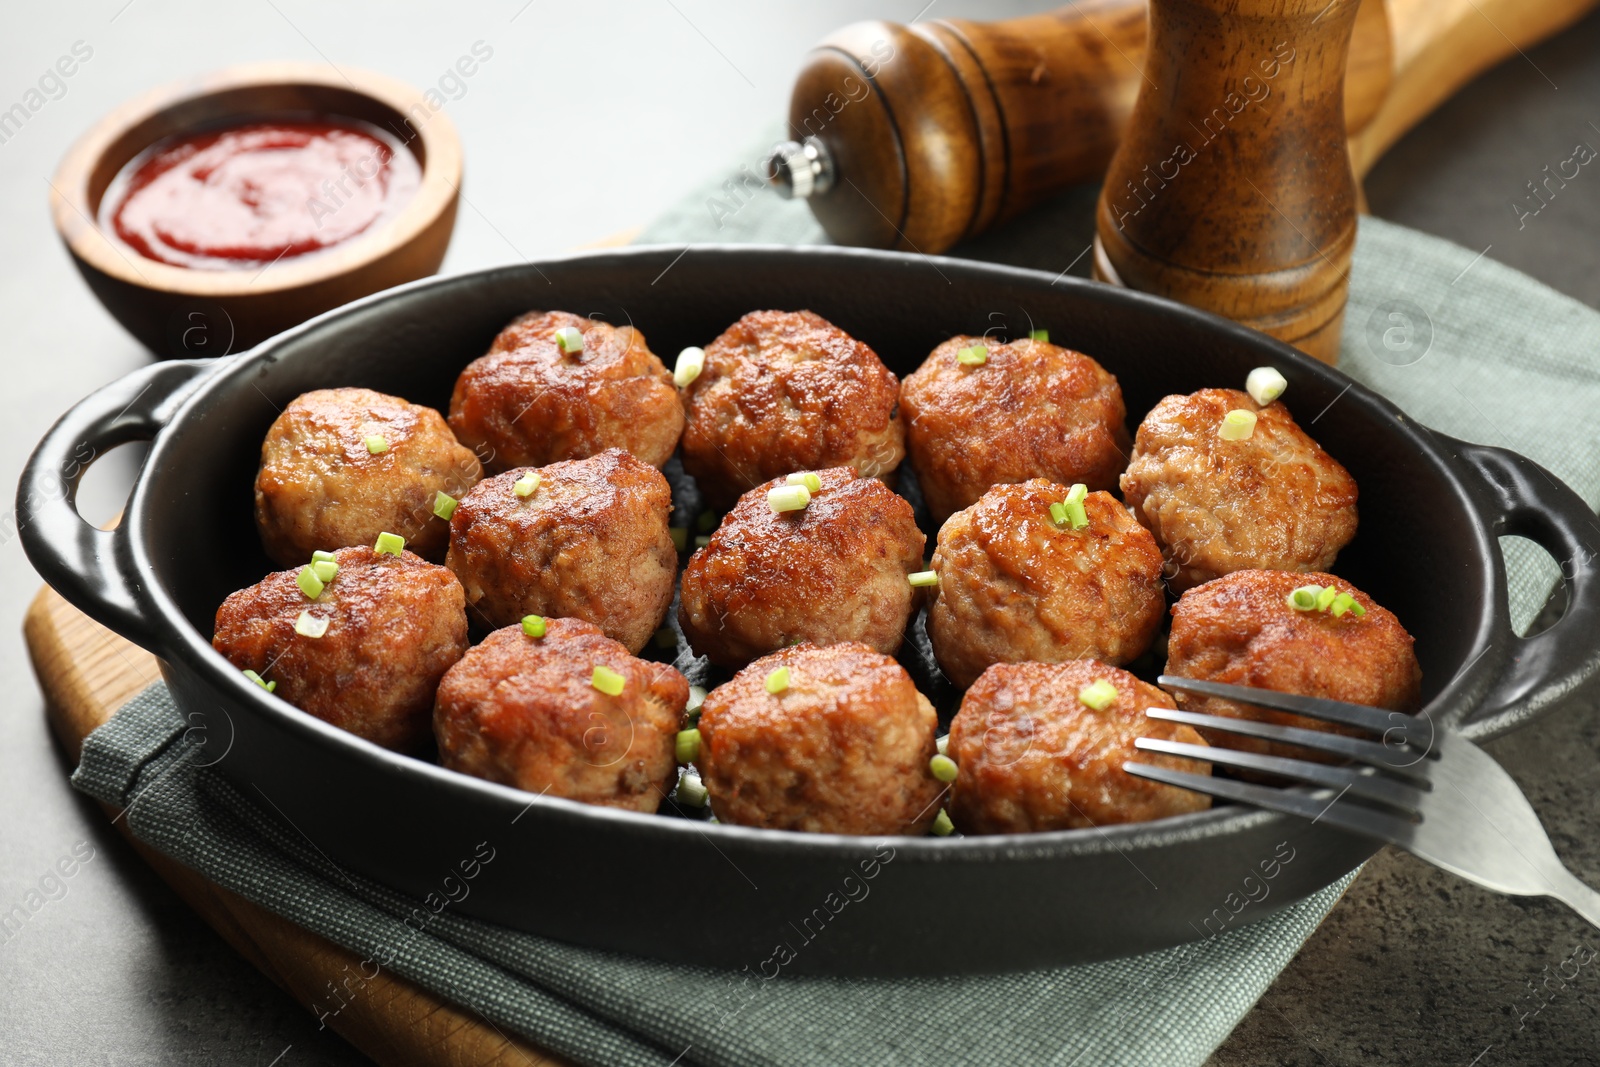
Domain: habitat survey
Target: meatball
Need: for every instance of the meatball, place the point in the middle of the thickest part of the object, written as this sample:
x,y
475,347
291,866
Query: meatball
x,y
1032,756
1240,629
525,711
1033,410
1014,586
1274,500
834,571
394,625
341,466
844,749
528,403
784,391
590,542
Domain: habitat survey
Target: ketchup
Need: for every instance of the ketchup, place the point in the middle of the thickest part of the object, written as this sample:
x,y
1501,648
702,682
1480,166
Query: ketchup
x,y
253,194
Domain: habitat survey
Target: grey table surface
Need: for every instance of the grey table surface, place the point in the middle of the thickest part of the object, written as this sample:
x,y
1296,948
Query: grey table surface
x,y
1414,966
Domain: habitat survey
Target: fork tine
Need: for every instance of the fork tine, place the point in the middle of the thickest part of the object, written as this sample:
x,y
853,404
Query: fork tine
x,y
1377,720
1379,788
1368,752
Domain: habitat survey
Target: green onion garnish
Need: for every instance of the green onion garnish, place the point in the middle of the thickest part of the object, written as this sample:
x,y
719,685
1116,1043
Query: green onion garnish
x,y
393,544
706,521
680,537
533,625
943,768
444,505
943,745
1058,514
788,498
1304,598
1326,597
308,582
778,681
1341,604
1039,335
308,625
976,356
692,791
687,746
263,683
319,556
702,541
923,579
526,485
942,826
1078,493
665,638
377,445
1071,512
1237,425
1099,694
325,570
570,338
607,681
691,361
812,483
1265,384
1357,610
697,697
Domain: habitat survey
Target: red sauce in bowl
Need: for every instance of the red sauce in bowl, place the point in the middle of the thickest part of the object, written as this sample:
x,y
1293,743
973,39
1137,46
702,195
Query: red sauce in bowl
x,y
253,194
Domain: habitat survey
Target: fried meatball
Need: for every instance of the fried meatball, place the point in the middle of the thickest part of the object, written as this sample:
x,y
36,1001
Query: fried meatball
x,y
591,543
844,749
395,624
528,403
524,711
1239,629
834,571
783,391
1275,500
1032,756
1014,586
321,486
1034,410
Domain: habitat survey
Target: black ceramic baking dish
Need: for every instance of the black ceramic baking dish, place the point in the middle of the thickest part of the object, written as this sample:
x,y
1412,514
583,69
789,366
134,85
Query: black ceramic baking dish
x,y
1431,509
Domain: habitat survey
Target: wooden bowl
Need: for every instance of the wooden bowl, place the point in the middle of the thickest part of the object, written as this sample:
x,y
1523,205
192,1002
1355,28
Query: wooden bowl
x,y
179,312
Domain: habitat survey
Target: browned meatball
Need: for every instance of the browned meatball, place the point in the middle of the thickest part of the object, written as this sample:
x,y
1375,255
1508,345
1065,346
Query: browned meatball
x,y
591,542
395,624
1239,629
1032,756
844,749
1014,586
833,571
783,391
1274,500
524,711
527,403
322,487
1034,410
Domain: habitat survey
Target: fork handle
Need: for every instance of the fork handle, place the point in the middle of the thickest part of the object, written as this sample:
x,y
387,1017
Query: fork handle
x,y
1576,895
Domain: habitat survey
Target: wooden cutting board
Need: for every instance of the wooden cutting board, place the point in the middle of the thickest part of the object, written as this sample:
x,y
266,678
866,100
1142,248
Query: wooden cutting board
x,y
87,673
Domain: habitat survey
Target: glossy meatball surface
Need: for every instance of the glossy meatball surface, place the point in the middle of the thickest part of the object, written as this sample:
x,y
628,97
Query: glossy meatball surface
x,y
783,391
1274,501
1031,756
591,543
1033,410
1014,586
844,749
320,486
395,624
834,571
524,711
1239,629
528,403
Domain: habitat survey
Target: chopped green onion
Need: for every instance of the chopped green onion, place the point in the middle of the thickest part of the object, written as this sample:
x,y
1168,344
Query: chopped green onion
x,y
444,505
1039,335
308,625
377,445
1357,610
923,579
1326,597
778,681
680,537
570,338
1265,384
687,746
697,697
263,683
526,485
325,570
1058,514
319,556
944,745
692,791
788,498
702,541
1099,694
607,681
706,522
691,361
976,356
1072,509
1341,604
942,826
1304,598
665,638
393,544
533,625
1078,493
812,483
308,582
943,768
1237,425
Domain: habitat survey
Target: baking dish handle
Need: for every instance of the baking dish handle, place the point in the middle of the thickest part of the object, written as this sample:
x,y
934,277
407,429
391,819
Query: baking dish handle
x,y
1520,498
94,568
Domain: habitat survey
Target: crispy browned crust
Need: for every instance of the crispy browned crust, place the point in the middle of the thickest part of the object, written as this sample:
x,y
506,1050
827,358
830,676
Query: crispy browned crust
x,y
784,391
591,543
1014,586
1274,501
835,571
396,624
319,487
523,711
1033,757
843,750
1034,410
526,403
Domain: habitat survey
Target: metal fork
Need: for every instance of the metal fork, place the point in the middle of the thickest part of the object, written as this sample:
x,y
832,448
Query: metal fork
x,y
1421,786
